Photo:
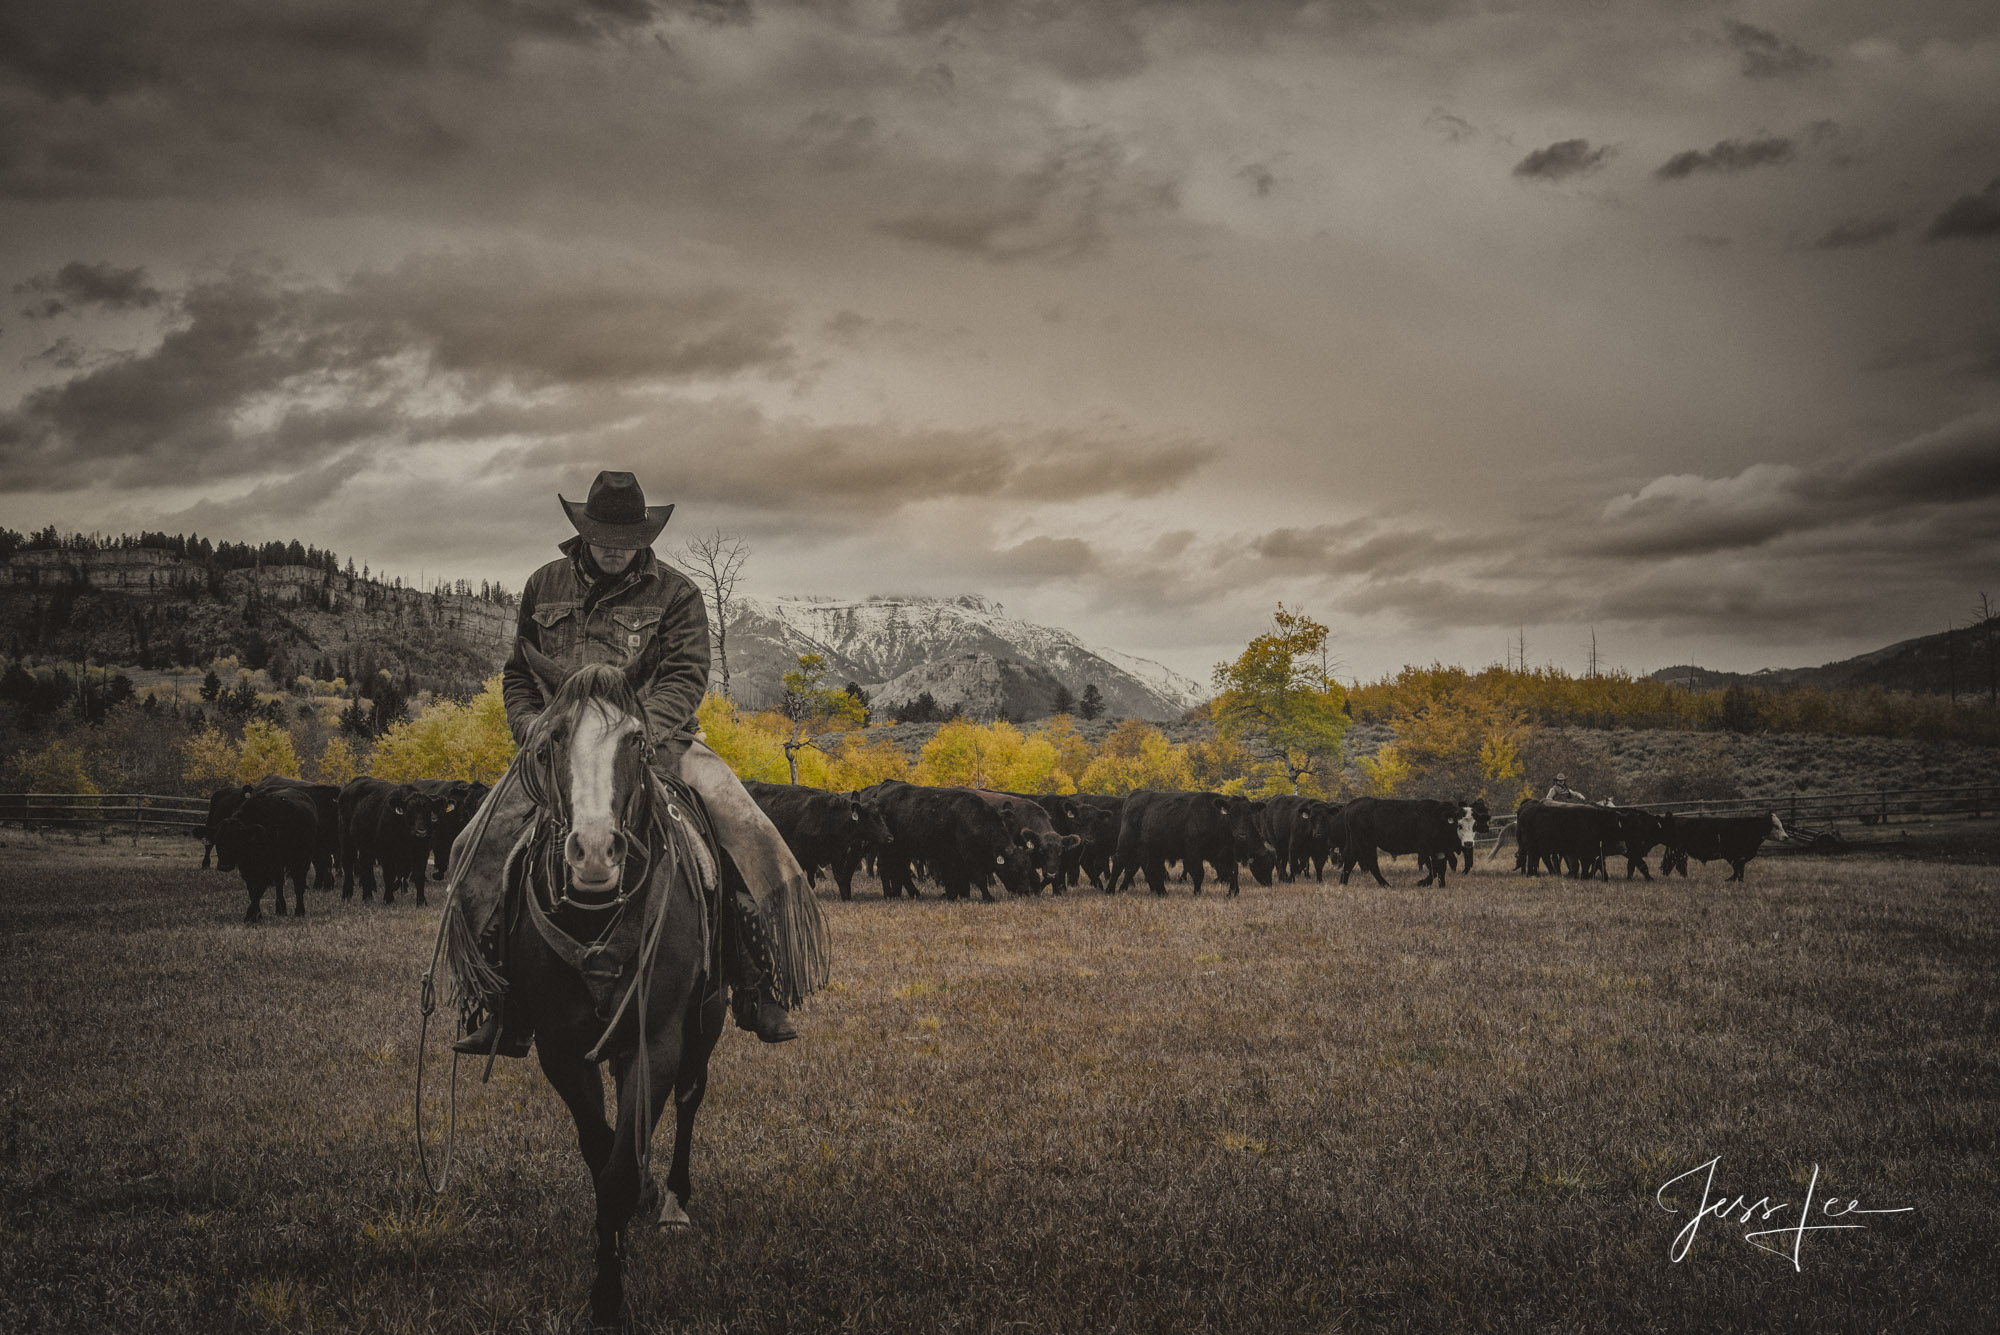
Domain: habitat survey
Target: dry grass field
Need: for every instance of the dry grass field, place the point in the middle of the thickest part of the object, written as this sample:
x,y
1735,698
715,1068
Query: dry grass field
x,y
1308,1109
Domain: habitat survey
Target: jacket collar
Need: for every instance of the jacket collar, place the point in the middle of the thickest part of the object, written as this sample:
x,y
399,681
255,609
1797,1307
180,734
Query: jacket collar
x,y
586,573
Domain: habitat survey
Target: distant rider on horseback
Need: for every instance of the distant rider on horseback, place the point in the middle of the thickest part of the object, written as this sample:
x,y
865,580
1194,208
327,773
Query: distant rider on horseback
x,y
610,600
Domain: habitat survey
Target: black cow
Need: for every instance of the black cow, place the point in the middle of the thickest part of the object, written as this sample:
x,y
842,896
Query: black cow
x,y
271,835
460,799
1424,826
326,806
823,829
1482,823
1029,823
389,823
955,833
1100,849
222,804
1638,832
1191,829
1095,831
1301,830
1731,839
1572,834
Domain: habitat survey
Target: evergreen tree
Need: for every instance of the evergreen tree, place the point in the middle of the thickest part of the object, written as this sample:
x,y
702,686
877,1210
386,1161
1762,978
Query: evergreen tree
x,y
1092,703
1062,702
211,686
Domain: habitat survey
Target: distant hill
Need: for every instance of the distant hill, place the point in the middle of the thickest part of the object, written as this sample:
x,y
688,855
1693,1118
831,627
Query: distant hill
x,y
1928,664
150,607
297,610
966,651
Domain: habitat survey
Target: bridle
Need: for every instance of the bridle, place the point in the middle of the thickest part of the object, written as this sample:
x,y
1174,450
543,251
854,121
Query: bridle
x,y
637,831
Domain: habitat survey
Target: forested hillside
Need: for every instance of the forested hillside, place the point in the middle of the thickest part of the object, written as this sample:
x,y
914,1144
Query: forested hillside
x,y
161,601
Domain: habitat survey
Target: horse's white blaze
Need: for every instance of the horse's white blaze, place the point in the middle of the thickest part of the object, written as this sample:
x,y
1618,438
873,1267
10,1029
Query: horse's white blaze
x,y
593,755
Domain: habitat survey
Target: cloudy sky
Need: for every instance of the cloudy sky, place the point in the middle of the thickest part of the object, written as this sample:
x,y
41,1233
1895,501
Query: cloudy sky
x,y
1446,321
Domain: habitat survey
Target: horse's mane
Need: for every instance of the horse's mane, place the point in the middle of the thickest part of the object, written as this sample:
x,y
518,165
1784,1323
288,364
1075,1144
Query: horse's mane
x,y
596,683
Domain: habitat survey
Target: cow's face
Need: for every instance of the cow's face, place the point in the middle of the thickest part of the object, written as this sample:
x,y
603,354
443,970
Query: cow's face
x,y
1465,826
421,811
1014,866
235,841
1096,827
868,827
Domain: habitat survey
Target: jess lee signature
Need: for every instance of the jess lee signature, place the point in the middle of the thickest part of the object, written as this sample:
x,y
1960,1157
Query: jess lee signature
x,y
1762,1210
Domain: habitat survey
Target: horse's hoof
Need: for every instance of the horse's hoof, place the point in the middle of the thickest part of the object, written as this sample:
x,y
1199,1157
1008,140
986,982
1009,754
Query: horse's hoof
x,y
673,1219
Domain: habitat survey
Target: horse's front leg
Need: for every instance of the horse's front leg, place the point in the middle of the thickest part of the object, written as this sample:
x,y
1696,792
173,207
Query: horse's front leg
x,y
621,1182
581,1087
703,1028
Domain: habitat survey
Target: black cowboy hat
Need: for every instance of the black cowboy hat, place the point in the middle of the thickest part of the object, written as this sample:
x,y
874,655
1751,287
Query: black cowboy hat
x,y
616,515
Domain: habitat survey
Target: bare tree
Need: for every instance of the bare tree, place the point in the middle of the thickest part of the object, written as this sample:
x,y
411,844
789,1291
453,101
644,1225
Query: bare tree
x,y
1986,611
715,559
1593,649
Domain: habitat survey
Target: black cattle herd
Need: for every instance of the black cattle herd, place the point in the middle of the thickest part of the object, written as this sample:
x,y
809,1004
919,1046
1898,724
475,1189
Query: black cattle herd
x,y
282,828
960,839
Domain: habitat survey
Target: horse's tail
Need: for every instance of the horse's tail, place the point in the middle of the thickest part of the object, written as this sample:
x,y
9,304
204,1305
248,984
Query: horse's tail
x,y
802,953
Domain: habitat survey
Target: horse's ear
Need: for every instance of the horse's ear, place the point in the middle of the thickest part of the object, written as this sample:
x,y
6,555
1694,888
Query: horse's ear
x,y
640,670
547,671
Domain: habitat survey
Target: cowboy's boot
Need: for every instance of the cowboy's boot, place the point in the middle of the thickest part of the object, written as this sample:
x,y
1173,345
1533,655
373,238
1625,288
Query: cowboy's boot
x,y
753,999
496,1036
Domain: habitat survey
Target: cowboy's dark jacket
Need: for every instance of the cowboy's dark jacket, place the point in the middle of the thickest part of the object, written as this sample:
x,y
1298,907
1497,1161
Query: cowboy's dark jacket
x,y
568,615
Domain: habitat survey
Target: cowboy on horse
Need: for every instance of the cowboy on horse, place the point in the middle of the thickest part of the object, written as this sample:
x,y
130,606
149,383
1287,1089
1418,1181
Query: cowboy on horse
x,y
609,600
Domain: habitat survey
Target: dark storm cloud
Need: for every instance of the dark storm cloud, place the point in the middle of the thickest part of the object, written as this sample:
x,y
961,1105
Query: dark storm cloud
x,y
737,455
1971,217
1563,159
79,286
1056,212
1039,559
1956,464
1767,55
123,96
256,374
1729,155
1856,233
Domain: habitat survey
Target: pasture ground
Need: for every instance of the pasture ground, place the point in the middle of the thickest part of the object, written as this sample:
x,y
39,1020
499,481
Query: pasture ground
x,y
1308,1109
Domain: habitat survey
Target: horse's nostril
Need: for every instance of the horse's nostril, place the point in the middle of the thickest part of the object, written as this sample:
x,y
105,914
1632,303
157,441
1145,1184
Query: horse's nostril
x,y
573,848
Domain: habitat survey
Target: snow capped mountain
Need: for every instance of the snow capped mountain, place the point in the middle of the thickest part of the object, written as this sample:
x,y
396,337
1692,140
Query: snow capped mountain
x,y
877,640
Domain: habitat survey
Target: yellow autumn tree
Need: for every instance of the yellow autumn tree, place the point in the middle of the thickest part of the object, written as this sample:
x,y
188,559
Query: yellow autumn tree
x,y
992,755
337,762
56,768
860,764
1279,694
267,749
1454,736
753,744
449,740
209,760
1136,755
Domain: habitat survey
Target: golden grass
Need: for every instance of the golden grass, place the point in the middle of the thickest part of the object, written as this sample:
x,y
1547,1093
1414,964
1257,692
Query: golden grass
x,y
1307,1109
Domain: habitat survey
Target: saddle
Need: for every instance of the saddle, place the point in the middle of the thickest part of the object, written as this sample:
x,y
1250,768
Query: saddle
x,y
679,840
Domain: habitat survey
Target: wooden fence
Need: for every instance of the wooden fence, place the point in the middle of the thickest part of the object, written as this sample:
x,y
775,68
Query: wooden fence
x,y
149,810
1879,807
